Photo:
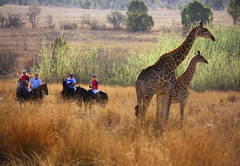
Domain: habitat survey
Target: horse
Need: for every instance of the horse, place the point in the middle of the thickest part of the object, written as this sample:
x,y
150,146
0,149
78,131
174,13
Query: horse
x,y
65,92
22,92
87,96
37,94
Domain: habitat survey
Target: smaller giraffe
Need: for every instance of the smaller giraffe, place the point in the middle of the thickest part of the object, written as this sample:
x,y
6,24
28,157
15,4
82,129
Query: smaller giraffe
x,y
181,88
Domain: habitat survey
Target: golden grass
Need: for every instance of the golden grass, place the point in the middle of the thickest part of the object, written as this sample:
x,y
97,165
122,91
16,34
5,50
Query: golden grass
x,y
59,132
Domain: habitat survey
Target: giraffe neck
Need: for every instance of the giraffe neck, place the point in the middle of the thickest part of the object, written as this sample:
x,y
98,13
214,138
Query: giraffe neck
x,y
179,54
187,75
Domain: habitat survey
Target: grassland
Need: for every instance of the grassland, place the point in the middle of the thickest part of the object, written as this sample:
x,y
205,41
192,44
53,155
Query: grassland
x,y
28,41
58,132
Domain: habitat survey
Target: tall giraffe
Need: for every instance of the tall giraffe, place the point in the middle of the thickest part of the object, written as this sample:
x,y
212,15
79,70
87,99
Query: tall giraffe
x,y
181,89
160,79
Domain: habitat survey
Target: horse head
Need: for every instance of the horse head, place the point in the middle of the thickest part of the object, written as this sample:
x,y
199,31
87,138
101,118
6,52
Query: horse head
x,y
64,84
45,88
20,84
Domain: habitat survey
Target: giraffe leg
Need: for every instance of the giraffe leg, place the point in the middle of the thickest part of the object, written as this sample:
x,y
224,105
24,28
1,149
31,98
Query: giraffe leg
x,y
160,106
145,107
182,106
163,104
168,104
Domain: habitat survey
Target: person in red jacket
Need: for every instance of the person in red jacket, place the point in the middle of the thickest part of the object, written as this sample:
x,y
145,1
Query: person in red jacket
x,y
94,84
25,79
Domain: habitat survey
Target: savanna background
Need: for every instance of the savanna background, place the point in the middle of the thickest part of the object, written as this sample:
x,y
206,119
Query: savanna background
x,y
62,132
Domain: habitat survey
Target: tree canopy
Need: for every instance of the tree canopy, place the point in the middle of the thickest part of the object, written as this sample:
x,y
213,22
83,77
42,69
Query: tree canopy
x,y
138,18
194,12
116,18
234,10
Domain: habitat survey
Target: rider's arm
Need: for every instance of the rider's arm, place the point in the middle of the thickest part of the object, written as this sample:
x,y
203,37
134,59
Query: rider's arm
x,y
40,82
68,82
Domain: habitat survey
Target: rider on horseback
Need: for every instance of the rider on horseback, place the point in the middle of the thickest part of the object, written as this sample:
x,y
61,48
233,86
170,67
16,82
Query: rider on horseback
x,y
35,83
94,86
25,79
71,82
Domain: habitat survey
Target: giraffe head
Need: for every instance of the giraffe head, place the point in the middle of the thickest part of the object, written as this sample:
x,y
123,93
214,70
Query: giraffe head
x,y
203,32
199,58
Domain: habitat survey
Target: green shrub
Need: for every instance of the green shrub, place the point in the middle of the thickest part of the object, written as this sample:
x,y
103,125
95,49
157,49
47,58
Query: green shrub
x,y
221,73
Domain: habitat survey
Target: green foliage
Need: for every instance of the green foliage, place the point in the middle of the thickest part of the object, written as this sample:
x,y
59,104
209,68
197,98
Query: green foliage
x,y
2,2
221,73
195,11
116,18
138,18
180,6
86,4
234,10
136,6
218,4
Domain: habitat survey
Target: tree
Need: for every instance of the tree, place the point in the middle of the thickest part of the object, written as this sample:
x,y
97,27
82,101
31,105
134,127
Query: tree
x,y
86,20
34,11
194,12
234,10
214,3
2,20
86,4
2,2
218,4
68,2
116,18
138,18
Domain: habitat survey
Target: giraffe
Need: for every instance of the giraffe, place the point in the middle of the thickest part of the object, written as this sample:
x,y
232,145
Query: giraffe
x,y
160,79
181,88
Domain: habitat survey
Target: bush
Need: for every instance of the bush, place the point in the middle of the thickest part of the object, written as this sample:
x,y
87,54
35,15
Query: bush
x,y
221,73
86,20
2,20
68,26
14,20
116,18
195,11
8,61
138,18
49,21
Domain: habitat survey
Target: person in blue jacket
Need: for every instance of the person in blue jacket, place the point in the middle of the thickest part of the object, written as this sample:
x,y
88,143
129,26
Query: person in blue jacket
x,y
71,82
35,83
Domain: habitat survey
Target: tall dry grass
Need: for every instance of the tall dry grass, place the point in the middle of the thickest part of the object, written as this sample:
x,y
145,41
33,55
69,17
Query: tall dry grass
x,y
59,132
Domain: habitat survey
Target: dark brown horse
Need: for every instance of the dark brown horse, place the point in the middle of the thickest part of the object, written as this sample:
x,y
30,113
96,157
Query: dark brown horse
x,y
88,97
37,94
